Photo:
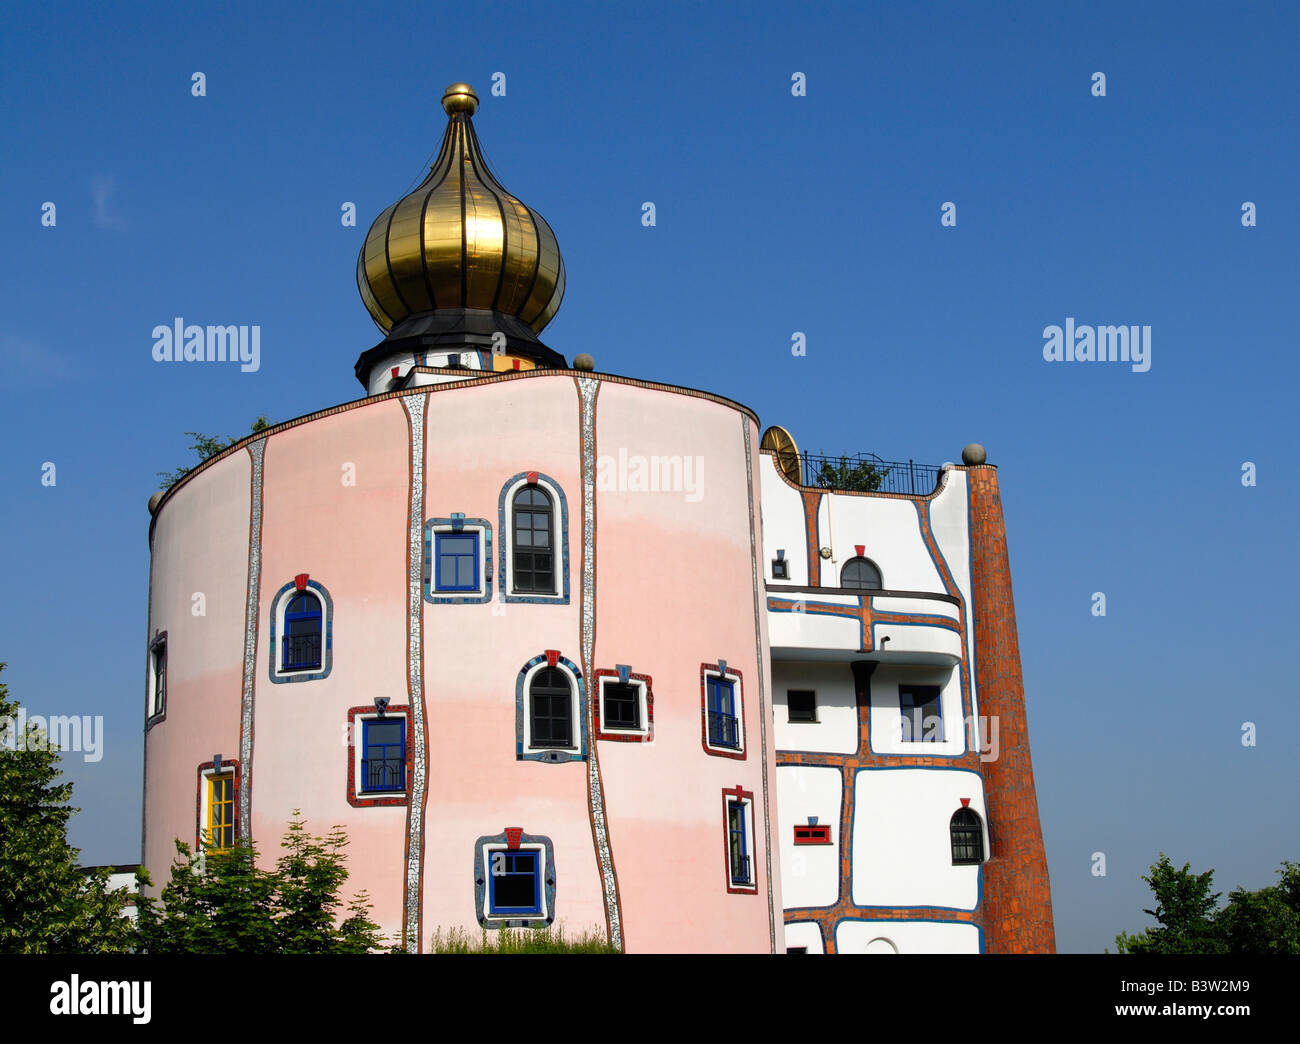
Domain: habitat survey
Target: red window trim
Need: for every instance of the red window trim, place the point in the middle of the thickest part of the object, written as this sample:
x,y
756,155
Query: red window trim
x,y
813,835
378,800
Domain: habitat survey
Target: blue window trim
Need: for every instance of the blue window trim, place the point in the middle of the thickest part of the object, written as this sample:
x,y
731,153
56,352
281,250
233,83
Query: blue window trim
x,y
458,524
483,870
512,861
366,745
562,509
439,553
721,700
907,702
316,614
550,757
278,677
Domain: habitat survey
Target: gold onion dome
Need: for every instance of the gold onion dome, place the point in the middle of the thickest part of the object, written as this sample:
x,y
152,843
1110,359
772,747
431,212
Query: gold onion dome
x,y
461,244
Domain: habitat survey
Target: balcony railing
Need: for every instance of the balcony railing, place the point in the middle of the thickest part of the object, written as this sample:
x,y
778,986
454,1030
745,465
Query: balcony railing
x,y
383,774
724,730
740,870
866,471
301,652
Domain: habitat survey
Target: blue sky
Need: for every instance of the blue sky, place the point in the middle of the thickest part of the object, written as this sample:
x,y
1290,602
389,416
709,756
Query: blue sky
x,y
775,214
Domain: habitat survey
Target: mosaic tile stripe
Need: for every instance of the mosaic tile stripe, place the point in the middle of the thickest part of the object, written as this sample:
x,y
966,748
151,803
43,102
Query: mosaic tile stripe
x,y
412,934
587,389
256,450
760,606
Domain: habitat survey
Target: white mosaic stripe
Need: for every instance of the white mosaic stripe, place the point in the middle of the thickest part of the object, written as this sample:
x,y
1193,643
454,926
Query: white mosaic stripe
x,y
257,451
760,607
415,405
587,387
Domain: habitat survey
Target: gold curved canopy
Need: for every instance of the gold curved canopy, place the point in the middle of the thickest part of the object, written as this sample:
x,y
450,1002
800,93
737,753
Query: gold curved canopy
x,y
460,240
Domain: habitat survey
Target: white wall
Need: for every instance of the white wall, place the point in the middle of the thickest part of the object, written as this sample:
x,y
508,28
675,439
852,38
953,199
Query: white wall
x,y
804,933
836,728
810,874
902,852
905,937
950,523
783,524
890,534
887,717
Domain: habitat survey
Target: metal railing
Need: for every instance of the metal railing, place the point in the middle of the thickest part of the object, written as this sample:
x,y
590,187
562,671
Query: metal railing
x,y
866,471
301,651
724,730
740,871
383,774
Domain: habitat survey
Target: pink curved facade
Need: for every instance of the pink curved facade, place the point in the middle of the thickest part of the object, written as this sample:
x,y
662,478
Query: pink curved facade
x,y
659,580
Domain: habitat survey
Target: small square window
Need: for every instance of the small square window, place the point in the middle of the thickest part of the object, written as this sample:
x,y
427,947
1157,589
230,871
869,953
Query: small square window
x,y
812,835
802,705
780,569
922,720
515,883
796,949
622,708
456,567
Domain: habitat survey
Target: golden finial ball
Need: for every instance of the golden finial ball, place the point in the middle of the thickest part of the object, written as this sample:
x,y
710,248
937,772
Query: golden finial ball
x,y
459,97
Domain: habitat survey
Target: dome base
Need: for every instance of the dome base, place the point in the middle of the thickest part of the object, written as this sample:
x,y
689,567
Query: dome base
x,y
449,329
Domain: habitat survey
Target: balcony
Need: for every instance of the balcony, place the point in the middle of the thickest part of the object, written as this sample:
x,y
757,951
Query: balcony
x,y
865,472
383,775
724,730
301,652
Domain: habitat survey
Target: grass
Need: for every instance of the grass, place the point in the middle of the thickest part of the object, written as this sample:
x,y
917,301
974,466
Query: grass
x,y
520,940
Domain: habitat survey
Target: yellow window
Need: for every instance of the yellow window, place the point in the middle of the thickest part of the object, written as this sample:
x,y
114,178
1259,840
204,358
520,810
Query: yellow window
x,y
221,811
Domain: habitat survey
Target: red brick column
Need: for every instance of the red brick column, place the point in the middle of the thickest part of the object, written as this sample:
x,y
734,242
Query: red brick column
x,y
1017,894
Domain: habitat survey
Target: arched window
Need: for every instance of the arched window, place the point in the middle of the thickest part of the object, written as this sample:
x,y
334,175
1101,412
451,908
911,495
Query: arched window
x,y
967,837
550,700
532,535
860,574
302,633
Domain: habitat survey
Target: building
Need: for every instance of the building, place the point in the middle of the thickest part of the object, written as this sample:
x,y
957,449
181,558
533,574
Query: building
x,y
459,617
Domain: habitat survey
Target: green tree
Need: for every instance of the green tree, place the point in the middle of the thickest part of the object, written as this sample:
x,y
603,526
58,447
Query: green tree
x,y
221,901
858,475
47,904
1185,911
207,446
1265,921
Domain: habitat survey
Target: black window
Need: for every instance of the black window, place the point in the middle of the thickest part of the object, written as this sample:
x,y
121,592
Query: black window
x,y
622,706
796,949
967,837
533,542
780,569
516,884
861,574
159,678
551,709
302,633
802,705
922,721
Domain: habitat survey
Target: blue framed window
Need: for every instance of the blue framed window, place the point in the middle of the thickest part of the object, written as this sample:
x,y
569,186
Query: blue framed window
x,y
456,561
724,728
515,883
302,633
551,709
383,757
922,720
738,843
